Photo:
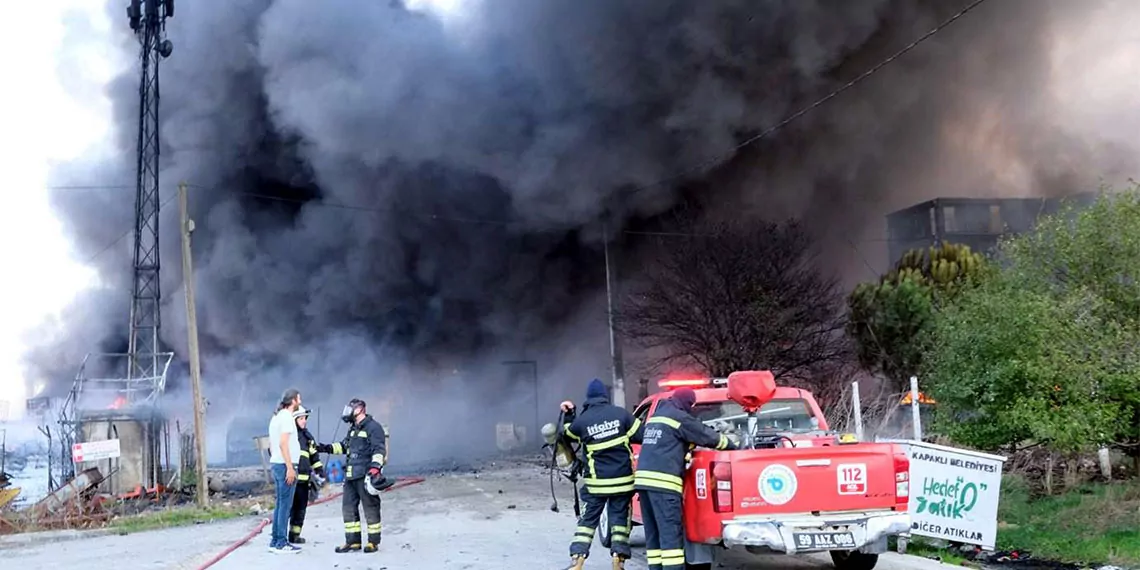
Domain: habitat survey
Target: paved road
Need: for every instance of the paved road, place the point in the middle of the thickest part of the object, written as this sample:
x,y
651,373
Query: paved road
x,y
496,519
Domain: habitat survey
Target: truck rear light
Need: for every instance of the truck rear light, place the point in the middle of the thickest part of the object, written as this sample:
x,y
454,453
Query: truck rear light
x,y
902,478
722,481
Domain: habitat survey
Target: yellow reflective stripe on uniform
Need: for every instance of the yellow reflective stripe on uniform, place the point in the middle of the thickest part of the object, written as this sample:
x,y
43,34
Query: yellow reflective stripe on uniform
x,y
352,526
610,490
304,453
302,476
295,529
375,528
584,534
620,533
361,433
378,458
633,429
663,420
611,486
722,443
607,444
611,481
317,465
658,480
653,557
570,434
337,448
673,557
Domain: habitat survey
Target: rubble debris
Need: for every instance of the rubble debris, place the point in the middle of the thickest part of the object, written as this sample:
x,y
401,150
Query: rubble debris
x,y
66,496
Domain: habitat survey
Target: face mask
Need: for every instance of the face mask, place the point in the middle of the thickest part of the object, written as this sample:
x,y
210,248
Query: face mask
x,y
348,414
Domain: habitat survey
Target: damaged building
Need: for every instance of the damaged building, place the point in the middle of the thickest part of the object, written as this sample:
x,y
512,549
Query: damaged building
x,y
977,222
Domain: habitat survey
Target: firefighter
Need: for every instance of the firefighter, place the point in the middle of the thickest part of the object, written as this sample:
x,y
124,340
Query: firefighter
x,y
365,451
308,465
668,436
605,432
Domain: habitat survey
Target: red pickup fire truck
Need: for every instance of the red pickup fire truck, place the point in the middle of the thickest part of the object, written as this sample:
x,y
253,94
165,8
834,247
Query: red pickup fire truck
x,y
793,487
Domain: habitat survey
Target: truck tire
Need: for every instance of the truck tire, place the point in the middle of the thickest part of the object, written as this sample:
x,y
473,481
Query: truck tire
x,y
604,528
853,560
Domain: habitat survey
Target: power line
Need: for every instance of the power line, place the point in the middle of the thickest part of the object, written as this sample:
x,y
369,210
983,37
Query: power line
x,y
680,174
372,209
107,247
91,187
787,120
405,211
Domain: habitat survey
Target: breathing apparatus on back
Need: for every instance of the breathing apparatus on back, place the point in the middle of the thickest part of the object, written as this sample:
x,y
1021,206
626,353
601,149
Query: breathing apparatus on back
x,y
564,460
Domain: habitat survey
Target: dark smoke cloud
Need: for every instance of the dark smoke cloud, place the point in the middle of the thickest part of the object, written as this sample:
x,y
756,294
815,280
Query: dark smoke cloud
x,y
479,158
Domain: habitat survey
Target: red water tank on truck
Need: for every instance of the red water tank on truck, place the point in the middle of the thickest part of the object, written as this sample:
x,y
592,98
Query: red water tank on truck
x,y
794,487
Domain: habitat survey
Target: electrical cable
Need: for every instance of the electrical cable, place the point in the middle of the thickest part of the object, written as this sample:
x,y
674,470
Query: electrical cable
x,y
680,174
91,259
790,118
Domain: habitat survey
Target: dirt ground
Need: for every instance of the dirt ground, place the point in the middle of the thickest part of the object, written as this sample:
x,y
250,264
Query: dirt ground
x,y
495,518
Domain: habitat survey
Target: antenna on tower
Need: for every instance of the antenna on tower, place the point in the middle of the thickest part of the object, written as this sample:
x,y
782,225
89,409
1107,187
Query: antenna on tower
x,y
148,21
108,400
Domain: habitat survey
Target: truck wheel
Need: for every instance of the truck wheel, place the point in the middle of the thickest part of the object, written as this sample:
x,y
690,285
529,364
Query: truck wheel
x,y
604,528
853,560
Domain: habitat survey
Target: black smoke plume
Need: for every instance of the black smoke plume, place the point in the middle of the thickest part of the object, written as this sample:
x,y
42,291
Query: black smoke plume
x,y
379,188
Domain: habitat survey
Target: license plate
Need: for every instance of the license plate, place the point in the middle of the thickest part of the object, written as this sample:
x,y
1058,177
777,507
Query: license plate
x,y
823,541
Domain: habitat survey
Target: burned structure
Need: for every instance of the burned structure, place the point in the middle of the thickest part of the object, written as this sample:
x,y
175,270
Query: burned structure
x,y
116,396
976,222
108,403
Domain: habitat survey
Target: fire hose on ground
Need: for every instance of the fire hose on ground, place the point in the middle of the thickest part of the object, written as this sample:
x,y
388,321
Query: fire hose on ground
x,y
402,482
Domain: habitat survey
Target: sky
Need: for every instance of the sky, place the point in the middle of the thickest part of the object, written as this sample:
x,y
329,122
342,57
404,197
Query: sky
x,y
42,123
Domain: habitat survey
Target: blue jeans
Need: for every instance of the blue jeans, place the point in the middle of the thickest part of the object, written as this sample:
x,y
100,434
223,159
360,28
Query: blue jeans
x,y
281,507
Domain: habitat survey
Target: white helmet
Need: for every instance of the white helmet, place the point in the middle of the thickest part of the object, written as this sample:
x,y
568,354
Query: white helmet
x,y
372,490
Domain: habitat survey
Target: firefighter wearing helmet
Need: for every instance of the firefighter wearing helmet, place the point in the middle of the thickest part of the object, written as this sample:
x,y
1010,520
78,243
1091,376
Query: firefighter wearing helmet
x,y
365,453
310,472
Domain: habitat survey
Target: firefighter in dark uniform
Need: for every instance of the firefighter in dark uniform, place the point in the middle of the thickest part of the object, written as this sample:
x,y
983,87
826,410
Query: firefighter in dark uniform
x,y
605,432
308,465
365,451
669,434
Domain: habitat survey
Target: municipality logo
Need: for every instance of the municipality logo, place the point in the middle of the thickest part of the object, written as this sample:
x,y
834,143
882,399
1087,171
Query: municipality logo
x,y
777,484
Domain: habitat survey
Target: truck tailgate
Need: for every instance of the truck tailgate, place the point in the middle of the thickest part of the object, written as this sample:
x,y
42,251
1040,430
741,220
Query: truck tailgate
x,y
813,479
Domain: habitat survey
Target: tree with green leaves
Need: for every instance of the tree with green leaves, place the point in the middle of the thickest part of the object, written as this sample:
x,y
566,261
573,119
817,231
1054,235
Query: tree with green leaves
x,y
1008,366
889,319
1048,350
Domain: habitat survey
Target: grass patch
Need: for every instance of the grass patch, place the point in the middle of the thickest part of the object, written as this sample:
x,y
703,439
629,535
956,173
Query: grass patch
x,y
918,546
1094,523
175,517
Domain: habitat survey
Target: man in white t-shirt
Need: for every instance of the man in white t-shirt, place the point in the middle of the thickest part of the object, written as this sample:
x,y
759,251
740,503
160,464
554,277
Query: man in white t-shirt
x,y
284,452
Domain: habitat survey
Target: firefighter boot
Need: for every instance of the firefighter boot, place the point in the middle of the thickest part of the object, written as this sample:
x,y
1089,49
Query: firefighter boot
x,y
619,562
578,561
371,547
344,548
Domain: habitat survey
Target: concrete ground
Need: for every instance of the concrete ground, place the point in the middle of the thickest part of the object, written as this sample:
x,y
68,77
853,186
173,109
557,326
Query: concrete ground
x,y
498,518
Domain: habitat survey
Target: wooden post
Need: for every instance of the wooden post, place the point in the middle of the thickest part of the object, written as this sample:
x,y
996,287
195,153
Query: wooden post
x,y
192,336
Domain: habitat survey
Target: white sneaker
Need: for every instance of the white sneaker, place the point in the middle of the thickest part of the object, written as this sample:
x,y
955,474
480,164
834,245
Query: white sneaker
x,y
287,549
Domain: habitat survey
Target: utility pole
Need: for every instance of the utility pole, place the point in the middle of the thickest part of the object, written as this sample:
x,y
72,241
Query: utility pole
x,y
192,336
615,350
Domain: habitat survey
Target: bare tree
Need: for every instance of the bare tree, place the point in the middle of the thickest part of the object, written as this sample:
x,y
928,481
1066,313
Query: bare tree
x,y
738,296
